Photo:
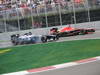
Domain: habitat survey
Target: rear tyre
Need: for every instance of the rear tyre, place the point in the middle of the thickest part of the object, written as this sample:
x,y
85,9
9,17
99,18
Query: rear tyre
x,y
83,32
92,30
44,39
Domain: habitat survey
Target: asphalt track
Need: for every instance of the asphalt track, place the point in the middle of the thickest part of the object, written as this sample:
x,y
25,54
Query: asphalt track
x,y
92,68
95,35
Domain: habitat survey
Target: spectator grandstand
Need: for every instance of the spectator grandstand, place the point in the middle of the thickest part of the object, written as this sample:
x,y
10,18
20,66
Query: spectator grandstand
x,y
28,14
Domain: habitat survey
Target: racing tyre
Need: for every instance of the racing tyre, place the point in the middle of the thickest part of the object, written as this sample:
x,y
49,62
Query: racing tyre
x,y
44,39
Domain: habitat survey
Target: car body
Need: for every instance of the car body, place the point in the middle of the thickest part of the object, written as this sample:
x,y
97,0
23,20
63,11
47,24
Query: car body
x,y
27,39
70,31
31,39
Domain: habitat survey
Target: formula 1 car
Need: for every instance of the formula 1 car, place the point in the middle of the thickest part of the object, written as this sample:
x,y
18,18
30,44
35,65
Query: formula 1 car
x,y
70,31
16,39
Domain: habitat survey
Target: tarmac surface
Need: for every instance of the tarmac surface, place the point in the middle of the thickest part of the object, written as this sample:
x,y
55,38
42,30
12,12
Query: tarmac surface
x,y
95,35
92,68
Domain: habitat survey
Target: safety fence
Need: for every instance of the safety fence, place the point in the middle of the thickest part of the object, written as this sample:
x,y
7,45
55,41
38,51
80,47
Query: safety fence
x,y
48,15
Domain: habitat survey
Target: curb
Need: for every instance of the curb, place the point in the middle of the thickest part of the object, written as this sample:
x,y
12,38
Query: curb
x,y
59,66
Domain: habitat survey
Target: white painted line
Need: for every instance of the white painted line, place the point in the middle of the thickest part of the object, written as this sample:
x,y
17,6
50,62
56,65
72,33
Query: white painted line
x,y
98,58
17,73
65,65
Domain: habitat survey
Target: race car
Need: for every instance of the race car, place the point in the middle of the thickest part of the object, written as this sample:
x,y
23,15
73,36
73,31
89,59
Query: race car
x,y
28,38
70,31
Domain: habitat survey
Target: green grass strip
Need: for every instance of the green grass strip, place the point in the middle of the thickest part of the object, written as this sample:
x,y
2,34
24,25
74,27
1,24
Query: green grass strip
x,y
4,41
40,55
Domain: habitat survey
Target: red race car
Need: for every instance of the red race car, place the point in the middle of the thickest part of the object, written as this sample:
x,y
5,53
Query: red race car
x,y
70,31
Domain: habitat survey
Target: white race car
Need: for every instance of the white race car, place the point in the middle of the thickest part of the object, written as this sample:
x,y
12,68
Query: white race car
x,y
31,39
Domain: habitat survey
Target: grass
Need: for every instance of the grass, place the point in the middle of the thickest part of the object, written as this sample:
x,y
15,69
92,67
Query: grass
x,y
4,41
40,55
